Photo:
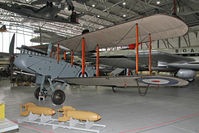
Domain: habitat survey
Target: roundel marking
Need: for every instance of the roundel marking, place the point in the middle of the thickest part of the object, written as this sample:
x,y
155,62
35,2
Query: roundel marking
x,y
85,74
158,80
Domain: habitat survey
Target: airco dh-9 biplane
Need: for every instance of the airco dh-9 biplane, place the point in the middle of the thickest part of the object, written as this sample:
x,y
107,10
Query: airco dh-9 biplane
x,y
146,29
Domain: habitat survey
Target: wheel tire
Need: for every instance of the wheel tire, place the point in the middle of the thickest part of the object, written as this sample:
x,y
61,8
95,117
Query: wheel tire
x,y
190,80
58,97
36,93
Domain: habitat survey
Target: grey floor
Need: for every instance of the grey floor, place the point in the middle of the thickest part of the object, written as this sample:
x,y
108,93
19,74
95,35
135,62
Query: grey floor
x,y
162,110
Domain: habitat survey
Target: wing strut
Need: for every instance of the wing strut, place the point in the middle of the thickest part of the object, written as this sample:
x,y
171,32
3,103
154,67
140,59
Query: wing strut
x,y
65,55
58,54
83,57
71,58
149,54
97,62
137,41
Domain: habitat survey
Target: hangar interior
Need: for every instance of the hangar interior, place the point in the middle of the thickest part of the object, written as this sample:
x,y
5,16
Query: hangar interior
x,y
122,109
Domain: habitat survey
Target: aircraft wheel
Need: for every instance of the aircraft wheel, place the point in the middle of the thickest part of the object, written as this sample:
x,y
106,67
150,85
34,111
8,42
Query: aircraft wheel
x,y
58,97
36,93
190,80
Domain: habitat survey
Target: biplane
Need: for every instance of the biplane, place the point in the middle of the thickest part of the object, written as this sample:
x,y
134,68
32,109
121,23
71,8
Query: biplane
x,y
49,12
146,29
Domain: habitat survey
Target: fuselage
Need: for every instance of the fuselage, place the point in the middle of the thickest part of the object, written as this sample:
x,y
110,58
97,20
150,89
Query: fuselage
x,y
44,65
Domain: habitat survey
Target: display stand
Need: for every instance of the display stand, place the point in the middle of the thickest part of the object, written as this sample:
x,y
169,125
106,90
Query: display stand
x,y
71,124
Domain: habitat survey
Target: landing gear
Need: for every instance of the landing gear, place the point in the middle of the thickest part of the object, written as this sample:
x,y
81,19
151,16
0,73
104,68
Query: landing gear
x,y
58,97
37,93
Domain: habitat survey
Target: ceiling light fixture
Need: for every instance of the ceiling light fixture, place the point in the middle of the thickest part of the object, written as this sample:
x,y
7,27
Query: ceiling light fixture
x,y
98,16
124,3
93,5
124,15
158,2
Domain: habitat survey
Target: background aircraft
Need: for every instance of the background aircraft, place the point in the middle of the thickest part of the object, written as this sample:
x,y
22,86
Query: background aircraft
x,y
46,37
48,12
183,67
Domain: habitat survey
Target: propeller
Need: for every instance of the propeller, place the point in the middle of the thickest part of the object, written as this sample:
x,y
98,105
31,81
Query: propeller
x,y
11,53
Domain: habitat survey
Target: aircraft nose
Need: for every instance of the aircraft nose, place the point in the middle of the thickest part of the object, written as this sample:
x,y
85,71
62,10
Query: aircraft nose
x,y
21,62
18,62
98,117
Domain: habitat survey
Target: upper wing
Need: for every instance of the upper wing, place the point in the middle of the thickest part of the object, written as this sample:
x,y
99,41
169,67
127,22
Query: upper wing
x,y
160,27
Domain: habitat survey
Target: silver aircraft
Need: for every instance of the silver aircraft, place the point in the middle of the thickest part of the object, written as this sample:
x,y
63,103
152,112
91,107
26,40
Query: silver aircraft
x,y
49,12
47,68
183,65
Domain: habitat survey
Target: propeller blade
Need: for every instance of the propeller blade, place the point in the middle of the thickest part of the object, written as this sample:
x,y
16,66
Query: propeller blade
x,y
12,45
11,52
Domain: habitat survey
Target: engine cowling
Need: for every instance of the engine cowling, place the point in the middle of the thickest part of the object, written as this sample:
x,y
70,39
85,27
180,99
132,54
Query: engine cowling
x,y
186,74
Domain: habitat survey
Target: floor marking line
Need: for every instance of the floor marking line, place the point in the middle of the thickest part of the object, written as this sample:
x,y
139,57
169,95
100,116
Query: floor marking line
x,y
161,124
32,127
190,131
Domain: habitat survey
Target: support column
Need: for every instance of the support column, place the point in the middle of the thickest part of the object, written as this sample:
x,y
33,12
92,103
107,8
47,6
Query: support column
x,y
149,54
97,62
71,58
58,53
137,59
83,57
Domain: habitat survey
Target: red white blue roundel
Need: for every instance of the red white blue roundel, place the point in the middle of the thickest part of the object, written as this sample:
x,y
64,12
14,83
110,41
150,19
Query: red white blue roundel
x,y
158,80
85,74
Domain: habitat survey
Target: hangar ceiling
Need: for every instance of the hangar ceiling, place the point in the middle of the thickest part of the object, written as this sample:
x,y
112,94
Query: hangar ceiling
x,y
97,14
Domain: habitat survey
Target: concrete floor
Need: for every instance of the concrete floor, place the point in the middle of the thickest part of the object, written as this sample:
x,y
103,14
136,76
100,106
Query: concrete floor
x,y
162,110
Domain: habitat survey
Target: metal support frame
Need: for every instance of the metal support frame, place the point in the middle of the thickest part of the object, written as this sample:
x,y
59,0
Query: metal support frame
x,y
71,124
